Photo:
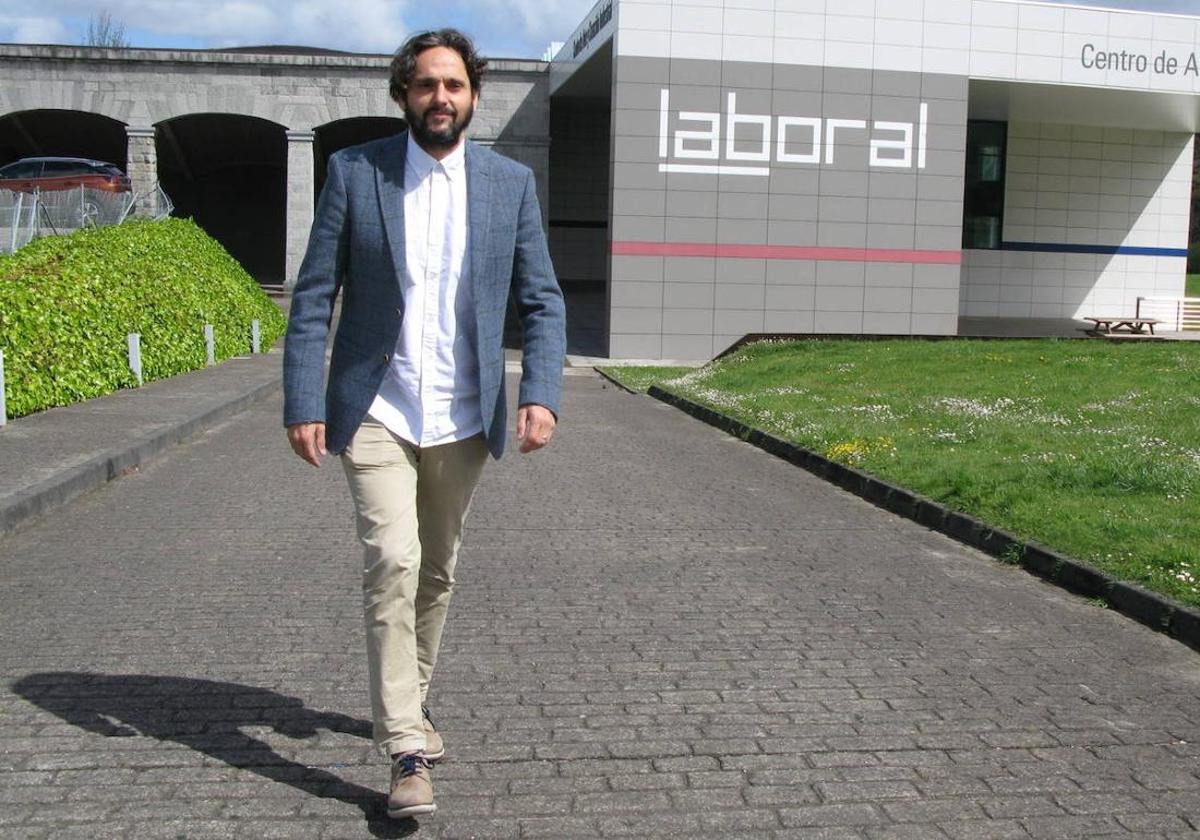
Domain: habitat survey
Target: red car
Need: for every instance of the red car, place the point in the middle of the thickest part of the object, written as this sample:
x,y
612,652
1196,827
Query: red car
x,y
62,173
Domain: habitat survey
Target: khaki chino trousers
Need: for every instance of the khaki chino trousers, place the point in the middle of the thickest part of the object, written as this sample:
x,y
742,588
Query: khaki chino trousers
x,y
410,505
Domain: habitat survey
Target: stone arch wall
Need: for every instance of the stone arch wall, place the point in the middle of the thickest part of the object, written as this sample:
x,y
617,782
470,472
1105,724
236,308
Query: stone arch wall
x,y
300,91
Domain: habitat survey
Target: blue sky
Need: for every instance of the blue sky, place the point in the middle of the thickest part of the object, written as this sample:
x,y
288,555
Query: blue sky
x,y
502,28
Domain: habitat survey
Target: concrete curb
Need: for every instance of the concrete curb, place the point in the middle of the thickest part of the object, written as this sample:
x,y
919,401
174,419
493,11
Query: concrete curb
x,y
61,488
1155,611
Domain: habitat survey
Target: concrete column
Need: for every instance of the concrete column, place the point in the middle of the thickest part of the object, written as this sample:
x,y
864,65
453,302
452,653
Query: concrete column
x,y
142,165
300,186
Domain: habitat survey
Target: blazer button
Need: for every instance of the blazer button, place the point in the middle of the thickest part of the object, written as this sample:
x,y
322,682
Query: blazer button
x,y
386,357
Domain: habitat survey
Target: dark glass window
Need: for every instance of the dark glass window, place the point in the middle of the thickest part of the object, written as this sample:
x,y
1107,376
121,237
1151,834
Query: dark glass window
x,y
22,169
983,201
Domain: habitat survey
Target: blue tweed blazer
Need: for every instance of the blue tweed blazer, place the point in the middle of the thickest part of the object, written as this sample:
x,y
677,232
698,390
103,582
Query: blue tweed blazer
x,y
357,246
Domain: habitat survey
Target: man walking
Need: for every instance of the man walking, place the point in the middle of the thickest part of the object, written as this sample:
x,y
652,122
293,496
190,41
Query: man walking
x,y
427,235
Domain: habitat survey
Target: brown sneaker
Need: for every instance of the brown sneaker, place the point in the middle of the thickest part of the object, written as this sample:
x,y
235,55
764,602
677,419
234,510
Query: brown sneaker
x,y
412,791
435,748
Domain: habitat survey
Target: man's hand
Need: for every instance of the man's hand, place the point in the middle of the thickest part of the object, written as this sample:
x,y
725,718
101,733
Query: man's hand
x,y
308,441
535,427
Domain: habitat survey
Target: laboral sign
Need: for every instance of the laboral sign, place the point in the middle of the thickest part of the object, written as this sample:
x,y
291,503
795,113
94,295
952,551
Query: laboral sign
x,y
731,143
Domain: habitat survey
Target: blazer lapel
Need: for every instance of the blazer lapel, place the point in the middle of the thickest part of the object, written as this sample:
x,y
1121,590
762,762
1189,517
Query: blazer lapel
x,y
479,198
389,184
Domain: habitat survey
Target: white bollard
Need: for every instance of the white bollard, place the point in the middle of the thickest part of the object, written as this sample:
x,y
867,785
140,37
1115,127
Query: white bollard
x,y
255,337
209,345
134,342
3,407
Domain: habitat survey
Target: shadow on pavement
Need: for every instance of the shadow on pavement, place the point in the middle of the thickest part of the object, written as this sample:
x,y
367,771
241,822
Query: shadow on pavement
x,y
207,716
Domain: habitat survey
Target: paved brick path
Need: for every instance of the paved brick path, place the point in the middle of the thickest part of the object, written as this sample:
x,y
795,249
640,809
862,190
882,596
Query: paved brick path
x,y
660,632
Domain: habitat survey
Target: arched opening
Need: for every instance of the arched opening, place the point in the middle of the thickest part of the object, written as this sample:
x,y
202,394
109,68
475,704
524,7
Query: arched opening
x,y
229,173
348,132
62,133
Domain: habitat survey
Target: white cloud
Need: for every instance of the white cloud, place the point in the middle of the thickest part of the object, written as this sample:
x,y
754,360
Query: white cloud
x,y
538,19
35,30
357,25
509,28
502,28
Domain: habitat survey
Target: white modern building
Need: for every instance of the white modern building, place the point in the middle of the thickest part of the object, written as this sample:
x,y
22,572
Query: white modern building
x,y
725,167
716,168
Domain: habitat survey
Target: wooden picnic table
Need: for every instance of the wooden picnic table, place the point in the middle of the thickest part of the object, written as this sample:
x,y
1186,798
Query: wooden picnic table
x,y
1109,325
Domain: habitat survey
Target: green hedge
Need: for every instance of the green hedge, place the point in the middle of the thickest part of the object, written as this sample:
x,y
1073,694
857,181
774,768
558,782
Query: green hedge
x,y
68,302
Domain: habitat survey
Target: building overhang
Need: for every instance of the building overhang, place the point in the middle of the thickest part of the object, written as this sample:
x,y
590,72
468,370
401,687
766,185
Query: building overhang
x,y
1083,105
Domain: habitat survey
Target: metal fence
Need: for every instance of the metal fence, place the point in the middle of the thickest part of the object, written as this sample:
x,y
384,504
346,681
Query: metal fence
x,y
27,216
1173,313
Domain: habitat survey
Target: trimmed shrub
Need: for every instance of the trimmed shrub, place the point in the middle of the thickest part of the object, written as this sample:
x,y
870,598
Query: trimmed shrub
x,y
68,302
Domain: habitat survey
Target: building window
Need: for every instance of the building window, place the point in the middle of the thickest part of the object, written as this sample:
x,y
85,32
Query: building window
x,y
983,201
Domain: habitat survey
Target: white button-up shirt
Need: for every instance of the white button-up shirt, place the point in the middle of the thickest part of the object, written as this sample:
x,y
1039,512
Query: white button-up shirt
x,y
430,394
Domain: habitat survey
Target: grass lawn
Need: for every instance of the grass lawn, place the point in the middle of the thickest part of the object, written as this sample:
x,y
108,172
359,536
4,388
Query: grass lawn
x,y
1090,447
1193,286
641,378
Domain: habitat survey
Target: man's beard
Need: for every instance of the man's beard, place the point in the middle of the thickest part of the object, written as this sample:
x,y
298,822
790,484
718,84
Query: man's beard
x,y
446,138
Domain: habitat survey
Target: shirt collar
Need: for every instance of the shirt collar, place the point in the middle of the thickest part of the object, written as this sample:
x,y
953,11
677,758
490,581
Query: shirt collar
x,y
423,163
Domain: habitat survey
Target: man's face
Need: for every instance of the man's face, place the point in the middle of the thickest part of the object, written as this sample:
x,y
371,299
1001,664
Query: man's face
x,y
439,101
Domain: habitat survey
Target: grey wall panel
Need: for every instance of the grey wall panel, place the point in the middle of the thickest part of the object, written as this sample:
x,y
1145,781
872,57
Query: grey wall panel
x,y
690,270
792,272
686,347
840,298
892,211
689,296
888,299
644,320
788,321
745,75
694,72
841,234
752,180
742,231
703,231
692,203
887,323
643,269
785,207
798,102
841,274
847,80
791,233
746,296
789,297
838,322
889,274
740,271
849,184
891,236
797,77
888,83
639,202
642,96
636,69
624,293
733,205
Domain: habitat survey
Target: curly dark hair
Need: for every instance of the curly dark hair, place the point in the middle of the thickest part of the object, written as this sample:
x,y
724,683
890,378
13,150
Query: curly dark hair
x,y
404,64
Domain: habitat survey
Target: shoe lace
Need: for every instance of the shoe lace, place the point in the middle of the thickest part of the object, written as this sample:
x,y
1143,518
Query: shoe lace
x,y
410,764
428,717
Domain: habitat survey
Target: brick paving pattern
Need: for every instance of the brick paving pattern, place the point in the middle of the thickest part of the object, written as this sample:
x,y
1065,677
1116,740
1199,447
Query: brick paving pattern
x,y
659,632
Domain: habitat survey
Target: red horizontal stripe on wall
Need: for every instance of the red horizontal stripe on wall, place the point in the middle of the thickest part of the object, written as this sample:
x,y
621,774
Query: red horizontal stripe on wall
x,y
784,252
